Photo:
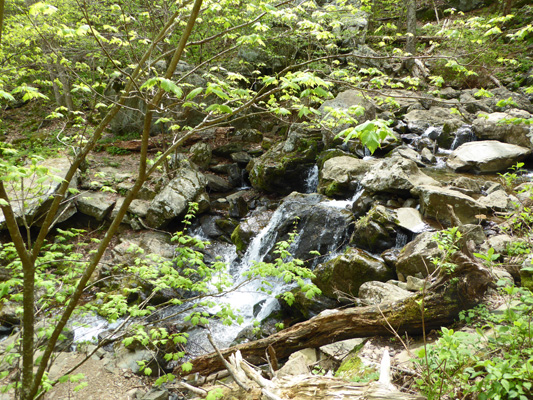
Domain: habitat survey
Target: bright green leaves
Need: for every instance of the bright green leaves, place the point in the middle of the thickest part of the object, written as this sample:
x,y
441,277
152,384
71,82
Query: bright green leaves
x,y
166,84
30,93
370,133
6,96
41,8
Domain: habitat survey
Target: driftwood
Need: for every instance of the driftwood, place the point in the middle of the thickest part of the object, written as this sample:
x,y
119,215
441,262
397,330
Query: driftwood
x,y
313,387
445,298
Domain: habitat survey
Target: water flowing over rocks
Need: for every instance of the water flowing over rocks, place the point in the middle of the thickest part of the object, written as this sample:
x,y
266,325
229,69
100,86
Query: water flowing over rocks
x,y
419,121
486,156
340,175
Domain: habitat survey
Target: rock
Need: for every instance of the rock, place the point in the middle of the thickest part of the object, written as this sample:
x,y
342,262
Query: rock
x,y
395,175
304,308
410,219
339,175
241,157
127,359
156,395
466,185
463,135
418,121
526,274
521,101
468,5
173,201
249,228
238,206
37,195
499,243
306,214
380,292
375,231
414,284
486,156
410,154
343,102
434,201
497,201
347,272
283,167
216,183
339,350
157,243
491,127
8,314
200,153
428,156
298,363
95,204
416,256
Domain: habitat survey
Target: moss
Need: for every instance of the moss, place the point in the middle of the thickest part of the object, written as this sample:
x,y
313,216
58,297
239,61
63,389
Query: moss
x,y
237,239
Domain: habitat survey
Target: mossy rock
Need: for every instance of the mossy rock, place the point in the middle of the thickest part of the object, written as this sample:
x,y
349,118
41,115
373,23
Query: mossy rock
x,y
376,231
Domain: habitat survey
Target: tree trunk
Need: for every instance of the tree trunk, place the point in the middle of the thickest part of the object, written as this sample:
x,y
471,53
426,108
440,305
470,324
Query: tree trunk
x,y
410,43
2,3
507,4
443,302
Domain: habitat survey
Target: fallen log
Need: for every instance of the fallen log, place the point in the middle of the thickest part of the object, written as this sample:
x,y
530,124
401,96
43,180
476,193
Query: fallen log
x,y
449,294
403,39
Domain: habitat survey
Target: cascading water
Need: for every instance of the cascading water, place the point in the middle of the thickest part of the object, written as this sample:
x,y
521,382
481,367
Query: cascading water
x,y
311,182
463,135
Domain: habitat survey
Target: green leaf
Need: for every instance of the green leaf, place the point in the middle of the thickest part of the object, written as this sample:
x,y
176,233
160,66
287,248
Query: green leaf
x,y
186,367
6,95
193,93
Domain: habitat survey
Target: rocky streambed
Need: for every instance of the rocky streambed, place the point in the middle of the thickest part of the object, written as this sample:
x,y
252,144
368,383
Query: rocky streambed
x,y
365,223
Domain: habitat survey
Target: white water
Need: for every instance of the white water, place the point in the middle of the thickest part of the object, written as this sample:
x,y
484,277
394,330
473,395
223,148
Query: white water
x,y
311,182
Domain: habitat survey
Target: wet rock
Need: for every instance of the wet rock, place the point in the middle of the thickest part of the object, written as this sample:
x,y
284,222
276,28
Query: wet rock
x,y
249,228
376,231
395,175
486,156
466,185
347,272
173,201
427,156
95,204
339,175
419,121
493,127
434,201
201,154
374,292
283,167
410,154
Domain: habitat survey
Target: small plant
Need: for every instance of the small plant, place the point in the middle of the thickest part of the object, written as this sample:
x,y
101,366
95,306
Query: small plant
x,y
511,176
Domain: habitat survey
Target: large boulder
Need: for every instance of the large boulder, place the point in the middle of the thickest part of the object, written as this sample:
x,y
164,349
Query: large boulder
x,y
283,167
340,175
321,226
95,204
434,202
173,201
376,231
33,199
349,99
395,175
347,272
493,127
416,257
249,228
418,121
486,156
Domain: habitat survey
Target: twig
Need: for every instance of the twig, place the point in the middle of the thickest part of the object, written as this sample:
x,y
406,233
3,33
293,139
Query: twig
x,y
228,366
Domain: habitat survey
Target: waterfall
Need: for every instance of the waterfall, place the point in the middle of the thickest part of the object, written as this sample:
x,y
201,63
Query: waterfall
x,y
463,135
311,182
401,240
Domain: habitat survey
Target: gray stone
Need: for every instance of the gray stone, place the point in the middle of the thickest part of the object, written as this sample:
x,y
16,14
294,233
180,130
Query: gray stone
x,y
201,154
434,201
411,219
156,395
416,256
466,185
410,154
497,201
249,228
339,350
238,206
345,100
173,200
347,272
241,157
428,156
394,175
492,127
380,292
127,359
339,173
418,121
486,156
95,204
216,183
297,364
414,284
35,201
